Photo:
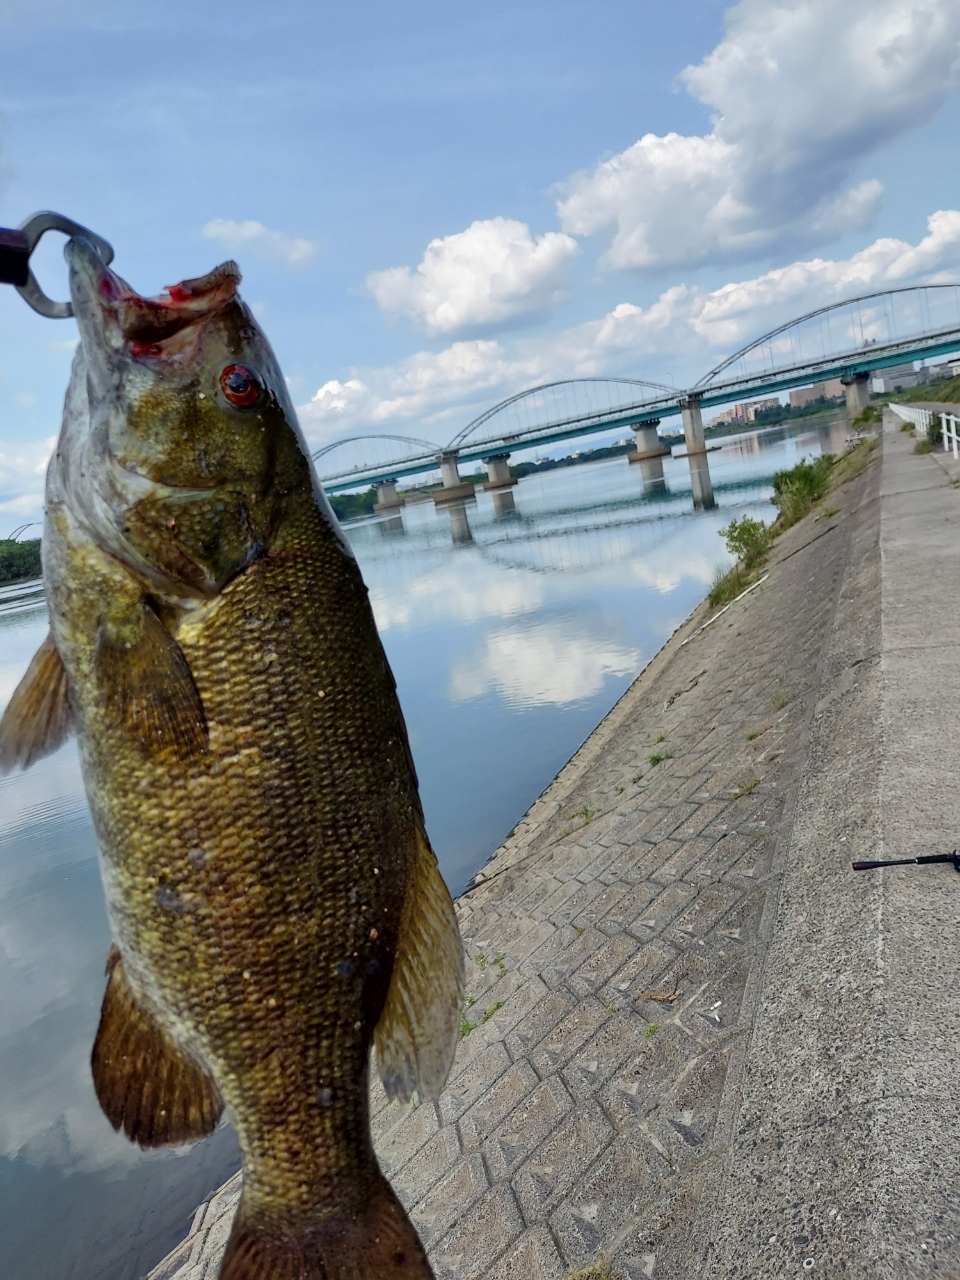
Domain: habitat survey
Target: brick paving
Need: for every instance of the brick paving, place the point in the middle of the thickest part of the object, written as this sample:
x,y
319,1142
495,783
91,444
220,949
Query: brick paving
x,y
615,951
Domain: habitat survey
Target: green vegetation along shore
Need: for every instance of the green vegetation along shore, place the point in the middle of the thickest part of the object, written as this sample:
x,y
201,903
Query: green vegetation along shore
x,y
945,392
795,493
19,561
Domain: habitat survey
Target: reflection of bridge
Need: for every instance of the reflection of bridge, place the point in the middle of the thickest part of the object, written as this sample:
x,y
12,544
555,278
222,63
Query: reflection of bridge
x,y
847,340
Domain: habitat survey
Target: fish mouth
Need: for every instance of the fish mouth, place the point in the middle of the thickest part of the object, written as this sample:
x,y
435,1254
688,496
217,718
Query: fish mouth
x,y
124,318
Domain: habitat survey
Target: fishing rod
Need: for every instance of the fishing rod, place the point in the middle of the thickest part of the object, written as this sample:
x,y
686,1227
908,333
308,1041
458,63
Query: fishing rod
x,y
16,246
905,862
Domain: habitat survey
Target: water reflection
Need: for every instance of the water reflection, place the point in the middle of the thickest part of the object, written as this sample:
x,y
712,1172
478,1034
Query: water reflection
x,y
391,527
552,663
459,524
504,505
508,648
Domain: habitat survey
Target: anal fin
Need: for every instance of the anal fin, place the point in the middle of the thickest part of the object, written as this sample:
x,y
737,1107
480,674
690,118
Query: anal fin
x,y
148,684
418,1030
38,718
144,1083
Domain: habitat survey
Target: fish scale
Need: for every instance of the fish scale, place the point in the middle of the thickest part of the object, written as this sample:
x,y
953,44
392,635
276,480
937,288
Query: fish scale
x,y
274,902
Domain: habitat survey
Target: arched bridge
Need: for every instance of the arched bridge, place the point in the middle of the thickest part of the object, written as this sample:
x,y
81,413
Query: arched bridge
x,y
846,340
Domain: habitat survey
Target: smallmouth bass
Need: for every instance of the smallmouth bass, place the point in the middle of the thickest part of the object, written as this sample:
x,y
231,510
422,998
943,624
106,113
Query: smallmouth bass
x,y
275,905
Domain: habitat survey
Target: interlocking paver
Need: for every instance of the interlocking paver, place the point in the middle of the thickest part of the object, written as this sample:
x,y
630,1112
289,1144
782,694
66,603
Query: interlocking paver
x,y
610,1198
525,1128
561,1161
617,933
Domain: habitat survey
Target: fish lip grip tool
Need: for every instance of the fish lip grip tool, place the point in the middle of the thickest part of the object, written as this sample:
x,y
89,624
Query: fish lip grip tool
x,y
953,858
16,246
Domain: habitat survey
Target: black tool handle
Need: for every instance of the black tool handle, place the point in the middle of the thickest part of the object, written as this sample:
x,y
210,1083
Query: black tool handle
x,y
14,257
872,866
904,862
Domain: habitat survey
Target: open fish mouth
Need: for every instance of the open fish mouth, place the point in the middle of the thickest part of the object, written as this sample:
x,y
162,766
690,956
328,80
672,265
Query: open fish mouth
x,y
144,327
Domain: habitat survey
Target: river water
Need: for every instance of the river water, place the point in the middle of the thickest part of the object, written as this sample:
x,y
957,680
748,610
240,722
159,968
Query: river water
x,y
511,634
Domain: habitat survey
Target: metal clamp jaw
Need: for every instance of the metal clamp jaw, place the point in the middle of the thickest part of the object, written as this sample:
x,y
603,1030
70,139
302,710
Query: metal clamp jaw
x,y
17,246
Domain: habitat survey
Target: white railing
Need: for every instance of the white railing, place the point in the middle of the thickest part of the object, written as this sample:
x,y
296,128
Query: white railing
x,y
922,418
910,413
951,437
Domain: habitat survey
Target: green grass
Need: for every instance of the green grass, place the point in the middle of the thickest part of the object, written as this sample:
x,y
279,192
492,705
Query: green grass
x,y
923,446
748,540
796,491
756,733
872,414
651,1029
466,1026
661,737
853,461
599,1270
488,1013
745,788
658,757
728,584
780,696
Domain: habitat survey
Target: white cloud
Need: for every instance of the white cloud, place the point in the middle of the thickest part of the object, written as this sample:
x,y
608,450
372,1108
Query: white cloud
x,y
428,387
801,91
736,312
432,393
22,469
489,274
239,236
544,665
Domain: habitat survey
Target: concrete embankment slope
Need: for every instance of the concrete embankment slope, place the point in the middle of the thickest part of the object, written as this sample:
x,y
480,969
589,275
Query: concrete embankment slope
x,y
702,1044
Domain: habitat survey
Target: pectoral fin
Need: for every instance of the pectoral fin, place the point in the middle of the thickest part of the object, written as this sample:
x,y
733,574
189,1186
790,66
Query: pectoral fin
x,y
417,1034
148,685
144,1083
38,718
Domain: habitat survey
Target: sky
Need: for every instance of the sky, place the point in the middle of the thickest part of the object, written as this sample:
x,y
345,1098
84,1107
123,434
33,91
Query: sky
x,y
437,205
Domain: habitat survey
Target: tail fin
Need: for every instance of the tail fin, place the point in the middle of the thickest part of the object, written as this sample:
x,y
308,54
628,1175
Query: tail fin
x,y
376,1243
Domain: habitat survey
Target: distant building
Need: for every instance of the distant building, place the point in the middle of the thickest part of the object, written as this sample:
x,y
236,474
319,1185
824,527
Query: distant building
x,y
743,413
832,389
895,377
941,372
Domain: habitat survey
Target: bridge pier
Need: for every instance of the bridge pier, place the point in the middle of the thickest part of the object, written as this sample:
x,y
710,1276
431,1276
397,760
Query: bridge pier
x,y
503,504
453,487
857,388
703,499
650,453
387,497
498,472
459,524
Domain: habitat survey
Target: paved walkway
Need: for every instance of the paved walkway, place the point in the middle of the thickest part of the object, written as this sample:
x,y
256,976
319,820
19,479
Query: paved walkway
x,y
702,1045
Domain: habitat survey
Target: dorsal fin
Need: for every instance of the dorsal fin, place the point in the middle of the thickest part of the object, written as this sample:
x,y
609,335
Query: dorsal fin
x,y
417,1034
144,1083
38,718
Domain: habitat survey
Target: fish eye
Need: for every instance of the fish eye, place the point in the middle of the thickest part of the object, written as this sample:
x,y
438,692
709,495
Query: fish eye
x,y
240,386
